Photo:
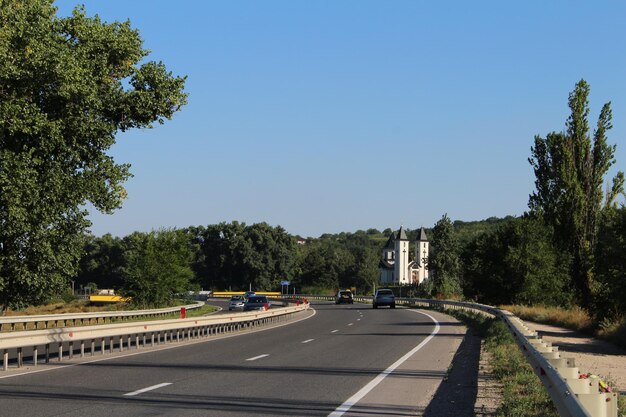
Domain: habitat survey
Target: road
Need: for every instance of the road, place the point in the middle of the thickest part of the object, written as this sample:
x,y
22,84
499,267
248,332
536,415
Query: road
x,y
338,360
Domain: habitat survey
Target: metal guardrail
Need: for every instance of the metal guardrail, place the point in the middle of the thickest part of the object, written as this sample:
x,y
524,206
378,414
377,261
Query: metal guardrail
x,y
18,346
45,321
571,395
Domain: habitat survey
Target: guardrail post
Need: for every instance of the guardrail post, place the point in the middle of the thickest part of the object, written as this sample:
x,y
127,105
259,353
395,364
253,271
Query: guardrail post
x,y
60,352
19,357
47,352
71,350
93,347
34,355
5,360
102,346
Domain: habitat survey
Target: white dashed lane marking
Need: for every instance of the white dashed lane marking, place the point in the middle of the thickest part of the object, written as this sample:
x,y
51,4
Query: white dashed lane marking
x,y
257,357
153,387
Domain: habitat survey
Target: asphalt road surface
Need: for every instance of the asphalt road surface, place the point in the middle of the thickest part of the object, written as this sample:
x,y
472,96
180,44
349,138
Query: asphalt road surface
x,y
337,360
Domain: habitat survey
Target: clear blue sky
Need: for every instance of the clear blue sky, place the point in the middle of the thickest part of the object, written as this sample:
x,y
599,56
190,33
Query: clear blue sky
x,y
338,115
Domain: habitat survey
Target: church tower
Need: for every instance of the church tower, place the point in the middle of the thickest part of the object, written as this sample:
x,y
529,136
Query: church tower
x,y
401,266
421,255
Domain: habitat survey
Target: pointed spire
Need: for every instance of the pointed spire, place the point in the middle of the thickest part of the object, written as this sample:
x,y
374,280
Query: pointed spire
x,y
402,234
422,235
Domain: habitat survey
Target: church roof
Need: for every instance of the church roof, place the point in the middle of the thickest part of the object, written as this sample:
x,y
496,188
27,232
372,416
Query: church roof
x,y
402,234
422,236
385,265
390,241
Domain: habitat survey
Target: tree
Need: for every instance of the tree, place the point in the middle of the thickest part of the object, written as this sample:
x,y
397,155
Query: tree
x,y
67,86
515,263
611,265
444,261
157,267
102,262
569,169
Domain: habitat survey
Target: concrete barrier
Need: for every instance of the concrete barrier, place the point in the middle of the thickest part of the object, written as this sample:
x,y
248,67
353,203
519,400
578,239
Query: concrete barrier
x,y
65,342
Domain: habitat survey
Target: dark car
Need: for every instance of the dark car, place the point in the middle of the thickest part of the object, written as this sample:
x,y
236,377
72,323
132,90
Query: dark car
x,y
256,302
344,296
384,297
248,294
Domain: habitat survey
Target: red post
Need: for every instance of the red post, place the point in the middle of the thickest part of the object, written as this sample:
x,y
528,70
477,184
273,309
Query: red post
x,y
183,312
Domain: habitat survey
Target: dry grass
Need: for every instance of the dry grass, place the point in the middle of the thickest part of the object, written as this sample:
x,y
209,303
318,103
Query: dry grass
x,y
78,306
575,318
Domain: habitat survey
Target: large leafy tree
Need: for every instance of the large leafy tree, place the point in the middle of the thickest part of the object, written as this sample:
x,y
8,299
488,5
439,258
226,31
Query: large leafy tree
x,y
611,265
67,86
570,167
444,261
157,267
515,263
236,256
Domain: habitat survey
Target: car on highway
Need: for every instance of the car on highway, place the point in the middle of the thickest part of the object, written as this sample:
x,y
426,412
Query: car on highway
x,y
236,303
384,297
344,296
256,302
248,294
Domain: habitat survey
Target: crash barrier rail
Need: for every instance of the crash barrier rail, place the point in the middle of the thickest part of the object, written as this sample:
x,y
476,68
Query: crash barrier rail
x,y
22,347
572,394
13,323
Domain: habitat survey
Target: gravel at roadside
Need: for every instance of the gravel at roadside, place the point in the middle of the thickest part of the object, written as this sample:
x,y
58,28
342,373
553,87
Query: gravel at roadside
x,y
591,355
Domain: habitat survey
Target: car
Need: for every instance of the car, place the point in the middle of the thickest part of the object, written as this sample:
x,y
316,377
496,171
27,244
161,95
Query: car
x,y
256,302
384,297
344,296
248,294
236,302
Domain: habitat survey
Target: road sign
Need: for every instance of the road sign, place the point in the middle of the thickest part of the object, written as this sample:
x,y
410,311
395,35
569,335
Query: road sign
x,y
284,282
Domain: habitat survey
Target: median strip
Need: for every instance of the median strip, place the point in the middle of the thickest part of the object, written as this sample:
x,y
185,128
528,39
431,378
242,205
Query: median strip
x,y
153,387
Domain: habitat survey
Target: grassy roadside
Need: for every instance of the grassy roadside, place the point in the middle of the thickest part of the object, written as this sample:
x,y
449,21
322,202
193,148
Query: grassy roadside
x,y
575,319
523,392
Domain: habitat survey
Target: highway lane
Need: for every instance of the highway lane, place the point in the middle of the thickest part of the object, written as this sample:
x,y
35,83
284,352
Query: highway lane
x,y
309,368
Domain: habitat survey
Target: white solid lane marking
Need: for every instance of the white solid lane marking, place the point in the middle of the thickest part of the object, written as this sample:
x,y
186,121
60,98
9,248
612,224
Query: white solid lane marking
x,y
308,340
139,391
350,402
350,324
334,331
257,357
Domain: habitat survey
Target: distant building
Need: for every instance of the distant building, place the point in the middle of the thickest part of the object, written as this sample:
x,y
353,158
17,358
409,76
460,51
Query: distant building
x,y
395,265
300,240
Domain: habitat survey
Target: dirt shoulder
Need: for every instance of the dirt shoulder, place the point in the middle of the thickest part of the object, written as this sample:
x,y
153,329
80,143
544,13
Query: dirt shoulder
x,y
591,355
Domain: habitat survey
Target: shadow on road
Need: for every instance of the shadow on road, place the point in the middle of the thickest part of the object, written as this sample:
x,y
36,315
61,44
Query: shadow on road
x,y
457,393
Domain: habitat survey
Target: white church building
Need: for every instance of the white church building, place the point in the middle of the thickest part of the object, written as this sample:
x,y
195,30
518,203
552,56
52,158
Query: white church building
x,y
395,266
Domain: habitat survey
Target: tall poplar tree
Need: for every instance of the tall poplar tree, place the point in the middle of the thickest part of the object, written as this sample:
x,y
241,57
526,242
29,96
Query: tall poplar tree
x,y
67,87
570,167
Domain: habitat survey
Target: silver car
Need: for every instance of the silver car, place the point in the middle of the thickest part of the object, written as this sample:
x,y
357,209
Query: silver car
x,y
236,303
384,297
